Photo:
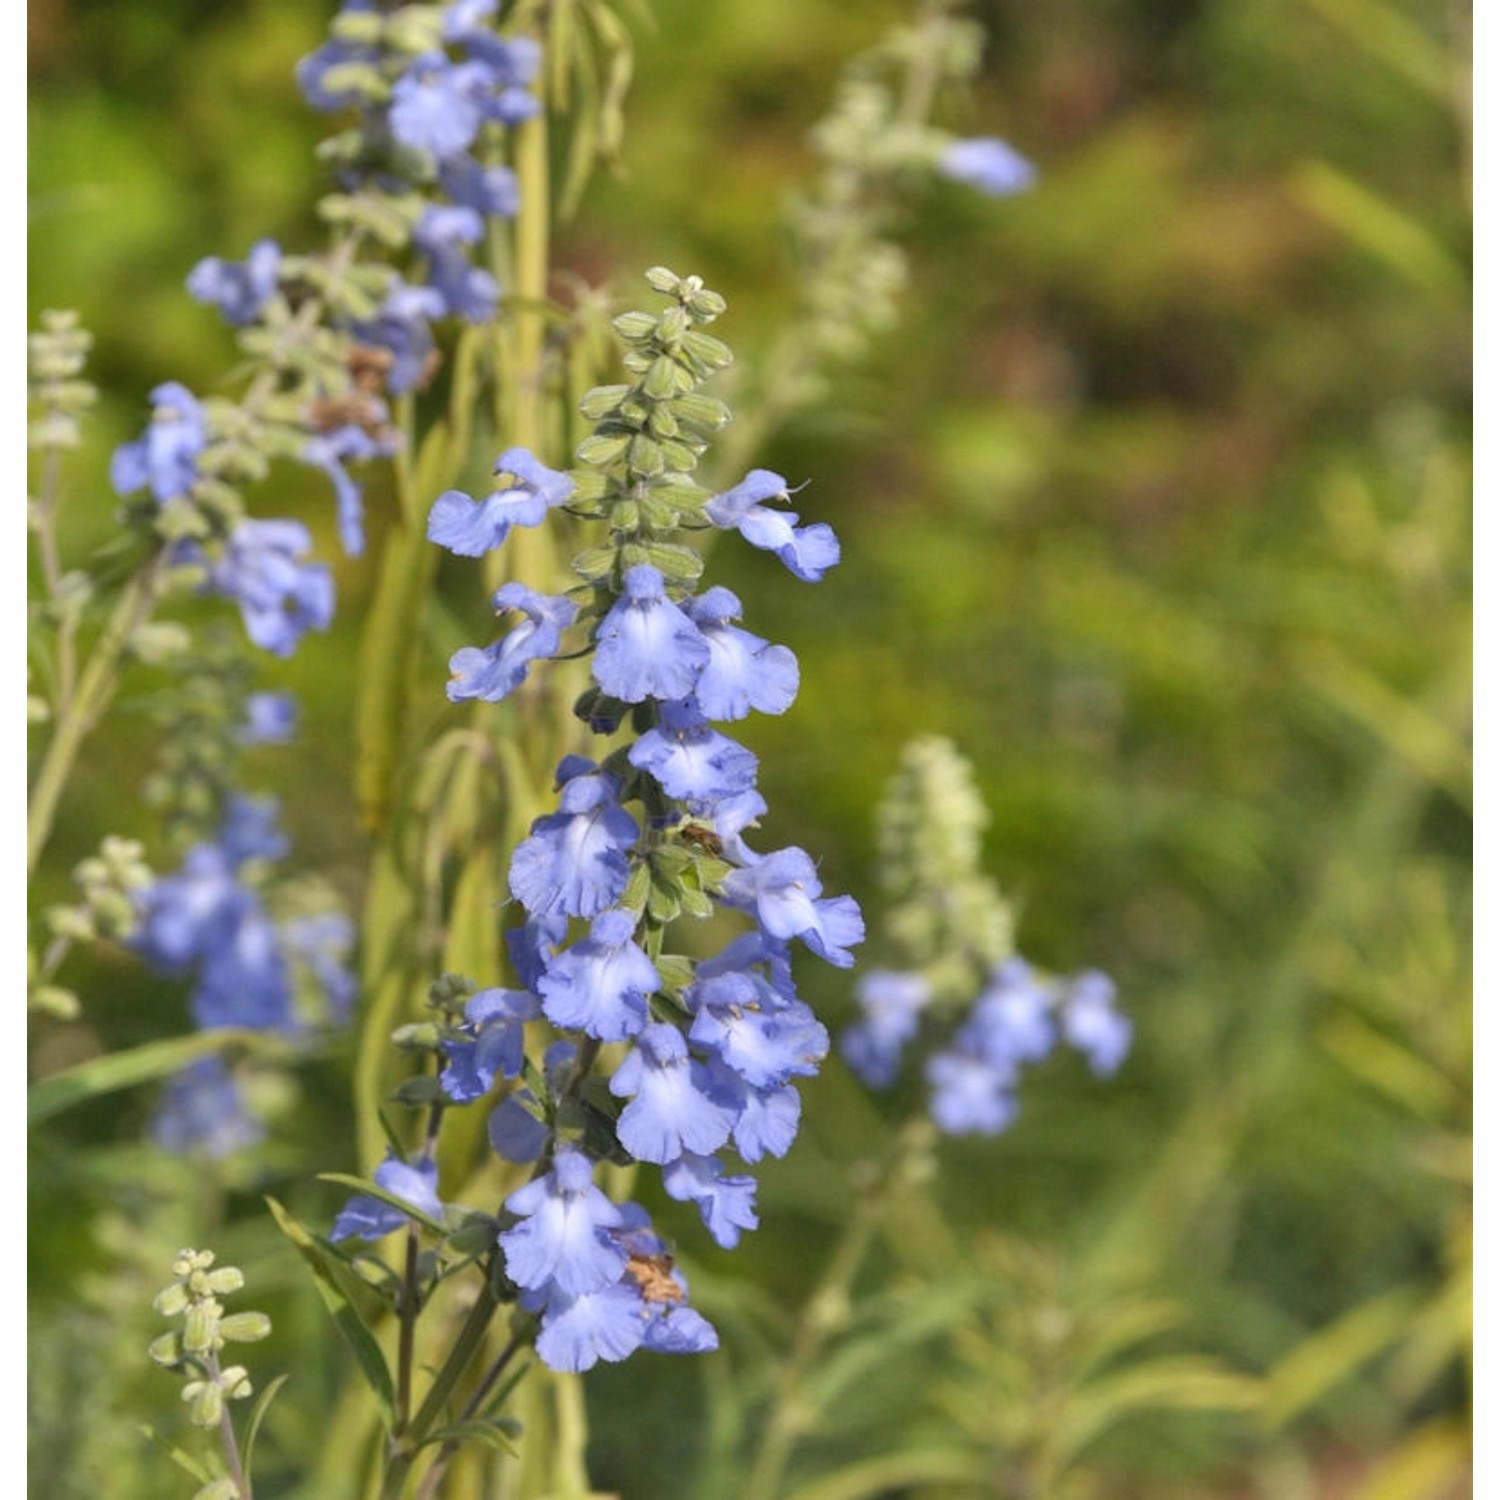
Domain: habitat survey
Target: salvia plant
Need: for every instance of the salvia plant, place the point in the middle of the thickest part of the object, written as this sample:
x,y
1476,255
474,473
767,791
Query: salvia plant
x,y
574,962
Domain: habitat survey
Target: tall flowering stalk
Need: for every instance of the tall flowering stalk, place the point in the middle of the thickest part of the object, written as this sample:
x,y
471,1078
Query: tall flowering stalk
x,y
617,1044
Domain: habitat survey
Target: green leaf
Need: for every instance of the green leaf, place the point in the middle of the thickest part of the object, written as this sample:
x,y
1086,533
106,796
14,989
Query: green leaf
x,y
1334,1353
122,1070
361,1341
488,1433
257,1416
183,1461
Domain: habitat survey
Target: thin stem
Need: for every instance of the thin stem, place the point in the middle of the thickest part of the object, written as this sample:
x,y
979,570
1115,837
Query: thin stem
x,y
95,689
824,1313
227,1438
433,1477
411,1306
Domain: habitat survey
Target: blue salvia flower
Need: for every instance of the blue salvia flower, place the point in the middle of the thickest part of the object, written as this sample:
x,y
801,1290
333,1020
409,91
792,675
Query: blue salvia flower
x,y
726,1203
443,235
496,671
330,451
166,457
690,760
280,597
645,1308
574,861
989,165
367,1218
561,1238
743,672
600,985
807,551
491,1044
202,1112
471,528
892,1004
1091,1023
239,289
270,719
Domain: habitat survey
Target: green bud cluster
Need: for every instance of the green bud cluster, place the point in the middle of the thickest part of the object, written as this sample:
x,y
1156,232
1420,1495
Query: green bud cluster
x,y
56,397
108,881
648,436
946,915
206,1328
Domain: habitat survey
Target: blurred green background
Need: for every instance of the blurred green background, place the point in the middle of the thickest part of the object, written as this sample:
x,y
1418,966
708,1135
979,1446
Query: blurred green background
x,y
1156,503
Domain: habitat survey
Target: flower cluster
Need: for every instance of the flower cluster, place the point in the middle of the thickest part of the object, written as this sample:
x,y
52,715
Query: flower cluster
x,y
211,919
954,929
331,336
650,832
1018,1018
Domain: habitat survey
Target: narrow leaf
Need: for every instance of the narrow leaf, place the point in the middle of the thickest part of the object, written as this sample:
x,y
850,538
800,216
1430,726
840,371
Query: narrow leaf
x,y
122,1070
473,1432
361,1341
257,1416
183,1461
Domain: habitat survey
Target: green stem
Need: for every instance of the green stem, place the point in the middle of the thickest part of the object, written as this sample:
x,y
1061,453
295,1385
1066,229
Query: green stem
x,y
825,1312
433,1477
95,689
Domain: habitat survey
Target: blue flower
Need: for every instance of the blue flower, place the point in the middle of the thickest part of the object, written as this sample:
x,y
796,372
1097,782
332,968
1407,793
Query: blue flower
x,y
244,980
970,1095
674,1106
574,862
691,760
323,944
249,829
437,104
759,1035
1093,1025
493,1043
647,647
512,63
743,671
1012,1019
989,165
891,1003
404,327
280,599
807,551
166,457
783,890
532,945
442,233
270,719
487,190
367,1218
725,1204
329,451
601,984
767,1122
494,672
313,70
182,916
560,1239
471,528
646,1308
202,1110
515,1131
238,289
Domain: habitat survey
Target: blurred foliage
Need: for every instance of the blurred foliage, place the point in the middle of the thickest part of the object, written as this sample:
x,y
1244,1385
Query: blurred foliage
x,y
1157,504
